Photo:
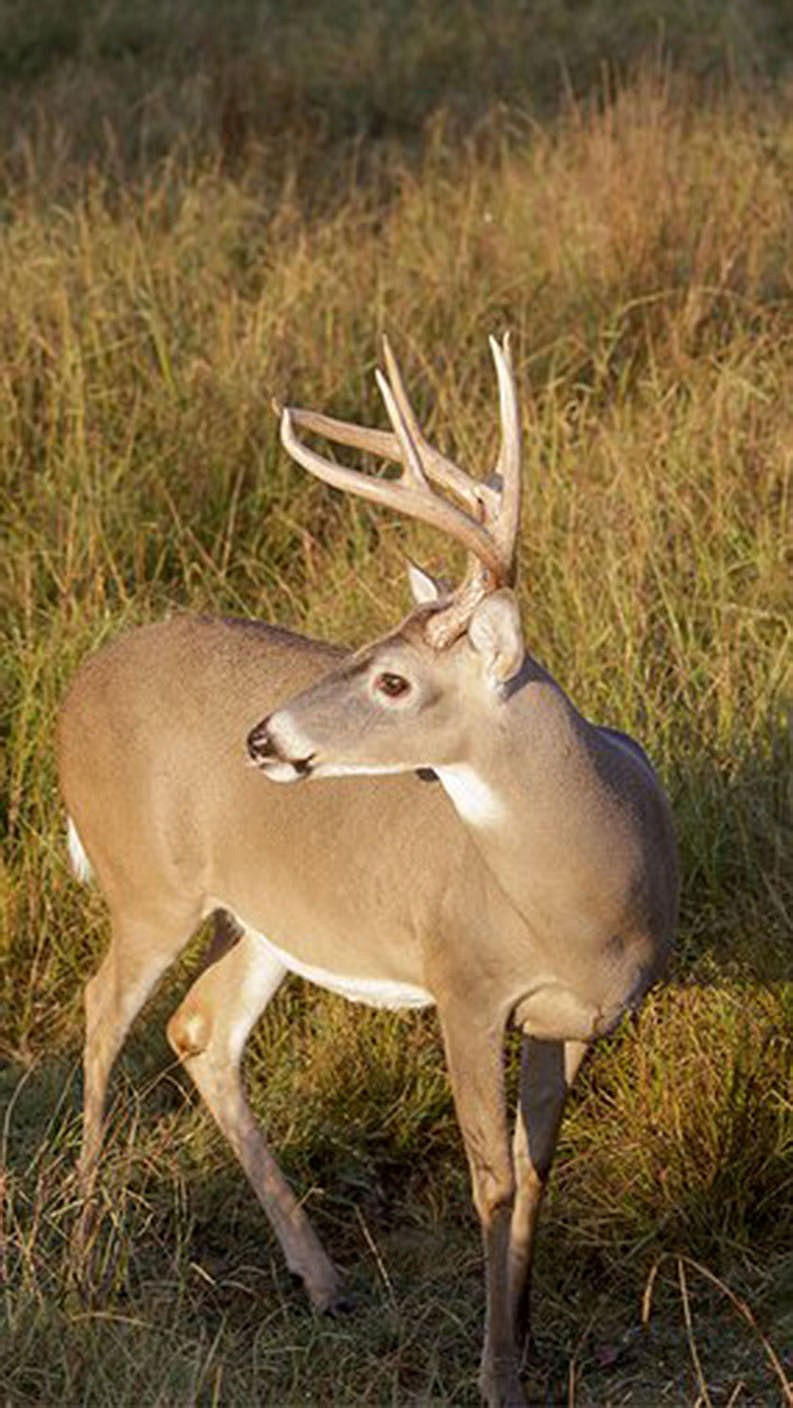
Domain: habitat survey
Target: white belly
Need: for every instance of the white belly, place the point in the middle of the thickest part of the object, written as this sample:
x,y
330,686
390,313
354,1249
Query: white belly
x,y
375,992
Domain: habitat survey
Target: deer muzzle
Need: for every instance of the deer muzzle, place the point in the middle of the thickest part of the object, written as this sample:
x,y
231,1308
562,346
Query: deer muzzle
x,y
266,754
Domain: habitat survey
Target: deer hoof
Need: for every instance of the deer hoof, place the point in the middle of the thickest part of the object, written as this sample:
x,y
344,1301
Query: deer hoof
x,y
343,1304
502,1390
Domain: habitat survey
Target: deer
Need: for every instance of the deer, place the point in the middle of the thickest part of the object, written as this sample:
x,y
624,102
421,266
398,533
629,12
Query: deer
x,y
532,887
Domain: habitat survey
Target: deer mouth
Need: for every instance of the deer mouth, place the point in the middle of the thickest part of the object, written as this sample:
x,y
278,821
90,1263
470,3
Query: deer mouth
x,y
264,754
284,769
303,766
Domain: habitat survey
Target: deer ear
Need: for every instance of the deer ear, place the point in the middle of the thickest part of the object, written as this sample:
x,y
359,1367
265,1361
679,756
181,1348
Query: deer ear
x,y
425,589
496,634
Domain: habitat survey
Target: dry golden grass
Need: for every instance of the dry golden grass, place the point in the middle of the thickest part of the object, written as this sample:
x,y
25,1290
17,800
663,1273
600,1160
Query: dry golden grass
x,y
639,246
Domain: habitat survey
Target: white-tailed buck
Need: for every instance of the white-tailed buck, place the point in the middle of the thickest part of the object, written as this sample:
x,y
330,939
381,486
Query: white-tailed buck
x,y
534,886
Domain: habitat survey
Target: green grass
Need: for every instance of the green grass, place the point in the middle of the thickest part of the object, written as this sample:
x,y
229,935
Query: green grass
x,y
195,219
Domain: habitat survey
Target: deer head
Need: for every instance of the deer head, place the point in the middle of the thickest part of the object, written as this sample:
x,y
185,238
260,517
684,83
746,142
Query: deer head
x,y
397,704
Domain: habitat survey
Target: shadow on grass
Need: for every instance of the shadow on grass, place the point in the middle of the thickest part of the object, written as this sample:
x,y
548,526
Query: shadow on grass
x,y
735,827
121,88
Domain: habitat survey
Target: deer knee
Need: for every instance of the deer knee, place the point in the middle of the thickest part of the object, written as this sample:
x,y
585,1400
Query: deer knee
x,y
189,1030
494,1194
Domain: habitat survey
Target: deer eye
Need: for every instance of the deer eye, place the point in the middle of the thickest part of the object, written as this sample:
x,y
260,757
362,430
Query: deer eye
x,y
391,685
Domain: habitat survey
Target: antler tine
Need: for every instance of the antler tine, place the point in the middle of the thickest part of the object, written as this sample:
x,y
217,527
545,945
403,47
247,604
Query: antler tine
x,y
442,470
387,445
506,524
411,460
382,443
408,498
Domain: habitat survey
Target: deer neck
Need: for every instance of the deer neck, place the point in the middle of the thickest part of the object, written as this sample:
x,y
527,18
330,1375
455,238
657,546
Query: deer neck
x,y
536,808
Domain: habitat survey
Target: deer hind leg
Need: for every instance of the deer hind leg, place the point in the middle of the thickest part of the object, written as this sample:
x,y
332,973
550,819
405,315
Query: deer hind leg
x,y
142,946
208,1033
548,1069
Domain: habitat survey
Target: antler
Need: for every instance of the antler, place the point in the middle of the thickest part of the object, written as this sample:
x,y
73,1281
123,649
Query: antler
x,y
487,527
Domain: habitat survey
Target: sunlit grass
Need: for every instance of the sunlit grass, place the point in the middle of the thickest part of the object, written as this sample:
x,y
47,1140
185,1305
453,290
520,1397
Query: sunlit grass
x,y
640,249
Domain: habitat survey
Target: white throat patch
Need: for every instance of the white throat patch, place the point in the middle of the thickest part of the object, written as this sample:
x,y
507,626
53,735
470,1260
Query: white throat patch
x,y
357,770
473,798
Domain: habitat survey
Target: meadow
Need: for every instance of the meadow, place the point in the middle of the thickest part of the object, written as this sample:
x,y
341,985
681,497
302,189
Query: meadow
x,y
195,218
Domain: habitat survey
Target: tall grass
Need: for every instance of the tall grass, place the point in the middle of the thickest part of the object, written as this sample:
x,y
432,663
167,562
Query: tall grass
x,y
639,245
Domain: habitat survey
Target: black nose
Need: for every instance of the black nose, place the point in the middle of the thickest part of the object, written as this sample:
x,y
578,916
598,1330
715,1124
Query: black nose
x,y
260,744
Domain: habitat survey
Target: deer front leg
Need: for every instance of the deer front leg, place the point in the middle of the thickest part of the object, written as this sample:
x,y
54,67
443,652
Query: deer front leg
x,y
547,1071
474,1055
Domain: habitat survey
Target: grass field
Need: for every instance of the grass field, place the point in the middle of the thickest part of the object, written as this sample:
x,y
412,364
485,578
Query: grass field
x,y
196,218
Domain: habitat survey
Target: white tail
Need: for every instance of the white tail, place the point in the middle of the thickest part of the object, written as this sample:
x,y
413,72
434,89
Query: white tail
x,y
80,863
534,885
